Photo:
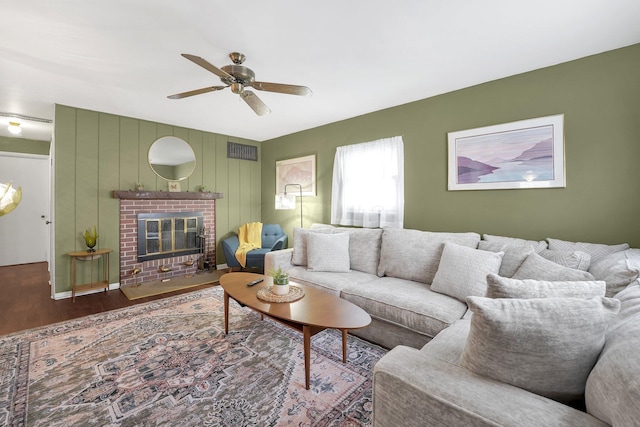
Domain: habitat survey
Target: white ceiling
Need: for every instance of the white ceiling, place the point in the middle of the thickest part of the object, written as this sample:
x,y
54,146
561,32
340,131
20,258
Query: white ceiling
x,y
123,56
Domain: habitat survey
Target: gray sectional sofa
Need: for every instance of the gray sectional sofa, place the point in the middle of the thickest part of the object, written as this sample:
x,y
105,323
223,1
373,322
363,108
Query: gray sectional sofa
x,y
485,330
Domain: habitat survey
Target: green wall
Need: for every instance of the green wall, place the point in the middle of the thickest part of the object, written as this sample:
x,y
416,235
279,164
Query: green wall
x,y
600,99
96,153
22,145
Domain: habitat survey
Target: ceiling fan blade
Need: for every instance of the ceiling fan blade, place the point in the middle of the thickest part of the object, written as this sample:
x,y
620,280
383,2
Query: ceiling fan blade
x,y
207,66
195,92
282,88
256,104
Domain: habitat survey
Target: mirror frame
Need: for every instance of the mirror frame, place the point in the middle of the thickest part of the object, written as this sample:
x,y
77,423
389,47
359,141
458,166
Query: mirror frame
x,y
163,141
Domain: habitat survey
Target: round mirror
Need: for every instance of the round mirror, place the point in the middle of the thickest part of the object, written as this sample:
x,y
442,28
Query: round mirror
x,y
172,158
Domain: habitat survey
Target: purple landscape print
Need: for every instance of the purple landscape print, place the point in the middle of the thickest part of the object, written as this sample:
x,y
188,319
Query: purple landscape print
x,y
523,155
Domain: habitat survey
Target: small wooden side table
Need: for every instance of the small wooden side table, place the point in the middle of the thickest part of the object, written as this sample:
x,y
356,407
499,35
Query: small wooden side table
x,y
91,257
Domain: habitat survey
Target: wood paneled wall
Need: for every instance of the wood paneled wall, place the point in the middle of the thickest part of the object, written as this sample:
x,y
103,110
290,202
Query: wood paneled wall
x,y
95,153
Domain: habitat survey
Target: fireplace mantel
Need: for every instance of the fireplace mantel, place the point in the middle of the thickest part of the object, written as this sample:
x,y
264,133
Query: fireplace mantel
x,y
165,195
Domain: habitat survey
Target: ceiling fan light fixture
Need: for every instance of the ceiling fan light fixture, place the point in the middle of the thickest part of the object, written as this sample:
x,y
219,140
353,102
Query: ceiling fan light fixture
x,y
237,88
14,128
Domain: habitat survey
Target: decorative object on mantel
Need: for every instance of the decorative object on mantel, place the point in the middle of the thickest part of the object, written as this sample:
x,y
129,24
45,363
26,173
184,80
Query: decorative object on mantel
x,y
165,195
203,189
91,238
174,186
139,186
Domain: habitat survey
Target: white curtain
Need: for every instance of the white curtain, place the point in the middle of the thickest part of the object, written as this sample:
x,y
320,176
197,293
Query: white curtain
x,y
368,184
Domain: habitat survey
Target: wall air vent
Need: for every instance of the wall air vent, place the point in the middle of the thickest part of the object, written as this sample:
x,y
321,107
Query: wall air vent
x,y
242,151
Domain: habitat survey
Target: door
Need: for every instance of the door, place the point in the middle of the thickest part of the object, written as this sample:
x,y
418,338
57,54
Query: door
x,y
25,232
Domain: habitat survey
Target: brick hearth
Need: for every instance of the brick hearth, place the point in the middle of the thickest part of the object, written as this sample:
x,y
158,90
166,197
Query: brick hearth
x,y
130,208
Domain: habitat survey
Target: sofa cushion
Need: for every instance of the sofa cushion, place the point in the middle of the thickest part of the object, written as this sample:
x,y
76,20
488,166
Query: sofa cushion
x,y
536,267
573,259
537,245
514,254
613,388
629,299
299,256
407,303
463,271
545,345
328,252
449,344
414,254
329,281
596,250
364,248
617,269
503,287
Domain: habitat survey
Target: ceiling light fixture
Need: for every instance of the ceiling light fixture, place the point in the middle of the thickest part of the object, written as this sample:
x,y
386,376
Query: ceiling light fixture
x,y
14,128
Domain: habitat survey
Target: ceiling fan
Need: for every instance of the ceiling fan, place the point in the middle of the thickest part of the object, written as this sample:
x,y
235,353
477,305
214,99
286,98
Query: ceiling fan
x,y
239,77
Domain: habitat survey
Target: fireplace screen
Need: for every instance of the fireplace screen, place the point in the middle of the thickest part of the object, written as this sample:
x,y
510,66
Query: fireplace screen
x,y
164,235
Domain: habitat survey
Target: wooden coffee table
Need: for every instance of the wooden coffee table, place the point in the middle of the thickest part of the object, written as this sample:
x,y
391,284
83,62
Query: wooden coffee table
x,y
315,312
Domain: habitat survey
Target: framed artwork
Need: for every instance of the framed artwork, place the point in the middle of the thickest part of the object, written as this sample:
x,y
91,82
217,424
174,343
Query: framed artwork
x,y
523,154
174,186
301,170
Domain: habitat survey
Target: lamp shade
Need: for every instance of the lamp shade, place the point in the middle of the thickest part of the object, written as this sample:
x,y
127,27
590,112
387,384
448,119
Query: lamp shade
x,y
285,201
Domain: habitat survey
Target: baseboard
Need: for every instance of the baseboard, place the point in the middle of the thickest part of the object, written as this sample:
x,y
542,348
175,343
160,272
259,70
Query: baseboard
x,y
67,294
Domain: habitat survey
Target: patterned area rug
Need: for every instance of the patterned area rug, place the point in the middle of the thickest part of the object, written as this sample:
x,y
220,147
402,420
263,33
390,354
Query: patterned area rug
x,y
168,363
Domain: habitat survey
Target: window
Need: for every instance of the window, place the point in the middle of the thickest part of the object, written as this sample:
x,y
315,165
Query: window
x,y
368,184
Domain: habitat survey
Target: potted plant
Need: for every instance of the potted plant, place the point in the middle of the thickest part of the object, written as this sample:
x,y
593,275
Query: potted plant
x,y
280,281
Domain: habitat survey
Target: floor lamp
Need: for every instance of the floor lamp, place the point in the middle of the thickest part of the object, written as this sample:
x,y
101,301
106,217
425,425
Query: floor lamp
x,y
288,201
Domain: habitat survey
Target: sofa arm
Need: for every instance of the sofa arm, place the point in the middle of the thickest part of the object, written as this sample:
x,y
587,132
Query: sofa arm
x,y
229,247
413,388
280,244
275,259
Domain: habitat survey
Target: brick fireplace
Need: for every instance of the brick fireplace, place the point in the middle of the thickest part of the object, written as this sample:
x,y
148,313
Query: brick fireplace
x,y
133,203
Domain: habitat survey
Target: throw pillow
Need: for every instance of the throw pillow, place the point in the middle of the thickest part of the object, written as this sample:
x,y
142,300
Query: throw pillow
x,y
617,269
545,345
414,254
328,252
613,388
514,254
502,287
536,267
596,250
463,271
537,245
364,248
299,255
572,259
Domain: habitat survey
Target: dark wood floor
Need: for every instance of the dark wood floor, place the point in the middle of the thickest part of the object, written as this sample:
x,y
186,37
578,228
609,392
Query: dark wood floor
x,y
25,299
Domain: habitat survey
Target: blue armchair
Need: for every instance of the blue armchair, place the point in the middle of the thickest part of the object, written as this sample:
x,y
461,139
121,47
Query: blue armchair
x,y
273,239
